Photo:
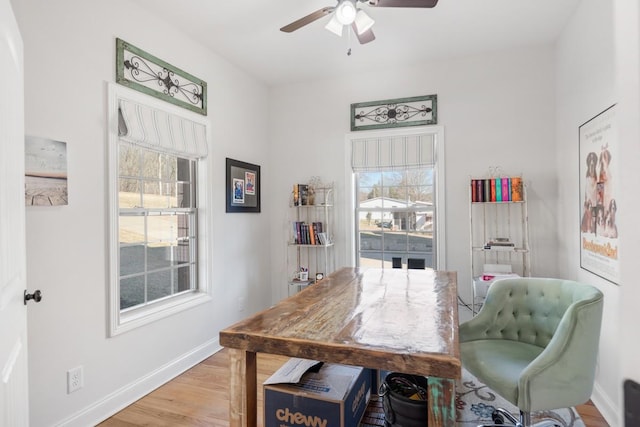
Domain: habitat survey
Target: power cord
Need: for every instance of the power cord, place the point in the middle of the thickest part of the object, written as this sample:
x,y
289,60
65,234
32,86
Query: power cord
x,y
461,303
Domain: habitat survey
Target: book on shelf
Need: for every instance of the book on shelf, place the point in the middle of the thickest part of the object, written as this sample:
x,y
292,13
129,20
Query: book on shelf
x,y
498,189
323,238
492,184
300,194
308,234
296,195
312,235
477,190
505,189
506,194
499,243
487,190
517,191
499,247
303,189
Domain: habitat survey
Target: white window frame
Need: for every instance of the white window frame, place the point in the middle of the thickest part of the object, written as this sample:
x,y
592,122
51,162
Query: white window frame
x,y
437,132
120,322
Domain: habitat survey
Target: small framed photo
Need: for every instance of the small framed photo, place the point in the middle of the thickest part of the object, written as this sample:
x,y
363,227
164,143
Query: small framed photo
x,y
250,183
243,186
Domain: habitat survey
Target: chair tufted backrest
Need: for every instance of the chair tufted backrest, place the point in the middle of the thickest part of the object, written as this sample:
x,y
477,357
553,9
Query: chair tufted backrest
x,y
530,309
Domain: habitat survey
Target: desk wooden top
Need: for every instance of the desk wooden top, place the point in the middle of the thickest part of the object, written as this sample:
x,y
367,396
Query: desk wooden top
x,y
399,320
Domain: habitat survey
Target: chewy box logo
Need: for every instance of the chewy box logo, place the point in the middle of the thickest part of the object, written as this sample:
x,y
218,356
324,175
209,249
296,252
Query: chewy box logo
x,y
298,418
284,409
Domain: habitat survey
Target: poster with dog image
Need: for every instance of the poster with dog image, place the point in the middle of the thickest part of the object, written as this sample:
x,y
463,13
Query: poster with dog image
x,y
599,234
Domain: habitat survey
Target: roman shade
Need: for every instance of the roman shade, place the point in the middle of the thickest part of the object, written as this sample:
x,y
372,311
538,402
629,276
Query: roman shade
x,y
393,152
159,130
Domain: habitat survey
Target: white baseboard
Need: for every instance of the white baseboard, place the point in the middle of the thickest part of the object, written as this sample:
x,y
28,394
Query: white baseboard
x,y
125,396
606,406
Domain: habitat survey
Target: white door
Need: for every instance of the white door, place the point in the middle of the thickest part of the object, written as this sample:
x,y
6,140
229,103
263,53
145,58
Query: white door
x,y
14,407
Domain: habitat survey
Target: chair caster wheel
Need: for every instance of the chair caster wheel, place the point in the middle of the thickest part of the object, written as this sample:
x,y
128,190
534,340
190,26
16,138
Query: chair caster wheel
x,y
497,418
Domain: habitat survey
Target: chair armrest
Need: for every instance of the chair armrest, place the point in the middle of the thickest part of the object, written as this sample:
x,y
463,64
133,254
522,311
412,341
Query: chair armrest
x,y
569,359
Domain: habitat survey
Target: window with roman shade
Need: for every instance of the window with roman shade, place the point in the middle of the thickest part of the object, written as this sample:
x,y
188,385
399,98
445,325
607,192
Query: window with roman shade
x,y
157,160
396,179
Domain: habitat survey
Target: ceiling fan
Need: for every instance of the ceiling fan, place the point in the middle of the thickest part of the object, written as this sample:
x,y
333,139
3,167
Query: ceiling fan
x,y
347,13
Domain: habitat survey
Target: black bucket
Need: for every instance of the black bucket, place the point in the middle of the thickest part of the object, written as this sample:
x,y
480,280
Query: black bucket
x,y
404,400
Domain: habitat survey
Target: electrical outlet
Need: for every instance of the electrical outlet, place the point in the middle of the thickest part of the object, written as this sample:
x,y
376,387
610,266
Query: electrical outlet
x,y
75,380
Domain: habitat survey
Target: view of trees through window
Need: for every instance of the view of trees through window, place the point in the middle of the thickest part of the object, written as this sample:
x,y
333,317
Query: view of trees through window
x,y
157,225
395,217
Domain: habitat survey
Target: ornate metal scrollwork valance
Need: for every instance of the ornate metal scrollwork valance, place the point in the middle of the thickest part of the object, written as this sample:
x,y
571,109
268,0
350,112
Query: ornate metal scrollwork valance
x,y
144,72
415,111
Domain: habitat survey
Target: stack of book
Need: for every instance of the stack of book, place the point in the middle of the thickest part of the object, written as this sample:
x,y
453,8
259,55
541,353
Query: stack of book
x,y
500,244
309,234
497,190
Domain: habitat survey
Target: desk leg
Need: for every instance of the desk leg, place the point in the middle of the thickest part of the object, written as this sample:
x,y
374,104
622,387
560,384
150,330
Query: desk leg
x,y
243,391
442,402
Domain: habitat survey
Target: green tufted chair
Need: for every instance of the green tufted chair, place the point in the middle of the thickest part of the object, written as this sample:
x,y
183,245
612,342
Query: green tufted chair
x,y
535,343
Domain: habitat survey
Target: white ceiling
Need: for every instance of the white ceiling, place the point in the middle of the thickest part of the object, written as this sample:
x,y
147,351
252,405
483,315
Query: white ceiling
x,y
246,33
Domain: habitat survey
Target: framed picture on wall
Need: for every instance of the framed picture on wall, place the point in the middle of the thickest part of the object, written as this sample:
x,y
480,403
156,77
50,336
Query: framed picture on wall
x,y
599,235
243,186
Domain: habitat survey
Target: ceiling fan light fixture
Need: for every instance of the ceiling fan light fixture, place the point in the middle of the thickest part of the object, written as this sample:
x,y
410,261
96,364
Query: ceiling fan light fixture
x,y
335,26
363,21
345,12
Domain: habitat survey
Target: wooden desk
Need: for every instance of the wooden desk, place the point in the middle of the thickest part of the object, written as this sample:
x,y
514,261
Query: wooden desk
x,y
398,320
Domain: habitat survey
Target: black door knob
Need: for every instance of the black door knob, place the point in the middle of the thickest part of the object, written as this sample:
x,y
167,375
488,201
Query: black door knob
x,y
36,296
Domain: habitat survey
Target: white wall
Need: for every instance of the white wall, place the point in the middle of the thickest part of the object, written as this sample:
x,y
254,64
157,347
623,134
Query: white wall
x,y
627,42
69,57
497,109
586,85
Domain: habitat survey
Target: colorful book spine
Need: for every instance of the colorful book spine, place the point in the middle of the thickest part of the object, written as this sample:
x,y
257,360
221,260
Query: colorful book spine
x,y
312,234
506,190
474,194
492,185
517,192
487,190
479,190
497,190
298,231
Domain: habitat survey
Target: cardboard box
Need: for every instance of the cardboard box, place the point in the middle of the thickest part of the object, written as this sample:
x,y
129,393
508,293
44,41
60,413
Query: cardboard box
x,y
335,396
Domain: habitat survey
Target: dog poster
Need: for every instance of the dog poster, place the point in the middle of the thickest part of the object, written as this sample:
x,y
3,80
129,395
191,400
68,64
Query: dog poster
x,y
599,234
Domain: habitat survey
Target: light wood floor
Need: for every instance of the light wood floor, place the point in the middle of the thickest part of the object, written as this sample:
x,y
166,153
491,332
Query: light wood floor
x,y
199,397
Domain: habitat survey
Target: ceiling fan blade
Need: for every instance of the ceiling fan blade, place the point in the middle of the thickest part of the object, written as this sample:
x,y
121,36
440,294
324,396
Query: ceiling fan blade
x,y
403,3
307,19
365,37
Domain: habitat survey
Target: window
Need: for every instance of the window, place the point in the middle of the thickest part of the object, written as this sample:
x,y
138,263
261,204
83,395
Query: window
x,y
157,226
156,162
397,181
395,216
